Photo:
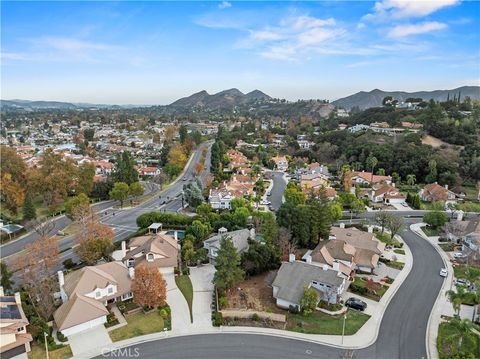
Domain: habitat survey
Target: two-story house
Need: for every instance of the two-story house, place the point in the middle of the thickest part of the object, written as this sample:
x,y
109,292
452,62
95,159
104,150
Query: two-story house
x,y
239,238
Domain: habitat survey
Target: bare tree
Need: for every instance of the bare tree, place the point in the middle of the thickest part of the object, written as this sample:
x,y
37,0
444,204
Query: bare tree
x,y
41,226
382,218
286,243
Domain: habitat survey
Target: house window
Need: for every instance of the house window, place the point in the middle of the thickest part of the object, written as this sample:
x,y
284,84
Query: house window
x,y
19,329
127,296
130,262
149,257
98,294
110,290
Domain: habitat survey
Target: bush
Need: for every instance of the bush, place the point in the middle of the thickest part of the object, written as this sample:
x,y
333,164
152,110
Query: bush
x,y
186,271
217,319
163,313
222,301
255,317
355,288
61,337
167,219
69,263
293,309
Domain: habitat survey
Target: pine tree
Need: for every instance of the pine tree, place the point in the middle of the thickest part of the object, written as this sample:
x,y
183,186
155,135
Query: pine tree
x,y
29,211
228,268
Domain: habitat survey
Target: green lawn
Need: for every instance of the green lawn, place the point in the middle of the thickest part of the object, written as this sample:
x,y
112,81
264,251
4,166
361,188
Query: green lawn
x,y
386,238
448,341
139,324
185,285
380,289
468,207
321,323
38,352
469,273
433,206
448,246
431,231
399,251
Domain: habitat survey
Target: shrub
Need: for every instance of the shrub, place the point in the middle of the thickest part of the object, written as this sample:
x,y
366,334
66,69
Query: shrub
x,y
186,271
163,313
217,319
61,337
293,309
222,301
69,263
167,219
355,288
255,317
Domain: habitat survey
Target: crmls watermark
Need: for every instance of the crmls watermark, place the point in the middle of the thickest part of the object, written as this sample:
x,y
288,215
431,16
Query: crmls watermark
x,y
121,353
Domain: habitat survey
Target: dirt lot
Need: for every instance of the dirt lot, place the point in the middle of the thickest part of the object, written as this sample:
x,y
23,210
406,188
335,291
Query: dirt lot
x,y
255,293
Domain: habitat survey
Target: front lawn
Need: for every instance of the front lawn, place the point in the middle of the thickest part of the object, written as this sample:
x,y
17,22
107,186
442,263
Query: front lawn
x,y
139,324
321,323
399,251
469,273
392,264
386,238
431,231
448,247
38,352
452,344
185,285
361,286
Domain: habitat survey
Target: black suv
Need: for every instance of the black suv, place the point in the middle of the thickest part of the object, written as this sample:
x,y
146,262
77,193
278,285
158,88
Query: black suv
x,y
355,303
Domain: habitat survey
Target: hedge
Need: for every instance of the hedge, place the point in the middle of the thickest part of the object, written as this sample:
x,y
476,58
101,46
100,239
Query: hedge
x,y
167,219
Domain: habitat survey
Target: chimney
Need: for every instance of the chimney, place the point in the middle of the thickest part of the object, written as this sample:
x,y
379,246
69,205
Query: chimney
x,y
2,293
18,299
61,279
175,235
131,272
124,249
370,229
309,259
291,257
342,225
446,186
336,266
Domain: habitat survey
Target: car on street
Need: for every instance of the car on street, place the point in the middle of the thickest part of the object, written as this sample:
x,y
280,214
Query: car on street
x,y
356,303
443,272
265,203
269,193
185,178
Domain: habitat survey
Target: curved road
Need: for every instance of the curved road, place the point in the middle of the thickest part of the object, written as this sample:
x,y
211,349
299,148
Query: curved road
x,y
402,331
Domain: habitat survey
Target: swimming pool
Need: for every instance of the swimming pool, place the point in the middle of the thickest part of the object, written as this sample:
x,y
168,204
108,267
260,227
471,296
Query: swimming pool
x,y
11,228
180,234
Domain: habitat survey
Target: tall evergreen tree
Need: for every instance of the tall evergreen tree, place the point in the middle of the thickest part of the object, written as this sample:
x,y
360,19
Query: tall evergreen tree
x,y
6,282
29,211
125,169
228,268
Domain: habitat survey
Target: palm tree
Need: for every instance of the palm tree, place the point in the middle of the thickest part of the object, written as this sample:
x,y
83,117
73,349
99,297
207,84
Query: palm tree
x,y
372,162
461,328
411,179
456,297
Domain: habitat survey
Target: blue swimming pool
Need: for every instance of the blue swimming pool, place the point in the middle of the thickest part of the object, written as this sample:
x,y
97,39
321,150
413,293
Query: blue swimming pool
x,y
11,228
180,234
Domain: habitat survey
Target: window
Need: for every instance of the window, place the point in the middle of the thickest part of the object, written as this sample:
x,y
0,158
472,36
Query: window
x,y
98,294
149,257
19,329
131,262
110,290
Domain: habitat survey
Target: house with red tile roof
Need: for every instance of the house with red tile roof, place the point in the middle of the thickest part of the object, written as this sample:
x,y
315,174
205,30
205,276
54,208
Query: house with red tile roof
x,y
362,177
433,192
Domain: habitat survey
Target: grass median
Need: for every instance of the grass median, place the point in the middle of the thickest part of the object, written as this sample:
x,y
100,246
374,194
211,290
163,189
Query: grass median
x,y
185,285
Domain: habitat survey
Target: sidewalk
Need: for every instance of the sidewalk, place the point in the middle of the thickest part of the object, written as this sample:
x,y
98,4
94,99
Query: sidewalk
x,y
442,306
366,336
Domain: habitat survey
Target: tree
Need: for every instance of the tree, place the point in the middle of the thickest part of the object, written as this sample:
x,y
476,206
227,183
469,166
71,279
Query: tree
x,y
456,297
76,204
199,168
240,217
228,268
119,192
260,258
269,228
432,175
387,101
411,179
372,163
193,194
188,251
293,194
29,211
135,189
89,134
148,287
382,218
125,169
346,178
199,230
94,242
12,193
176,157
86,171
309,301
183,133
6,282
335,212
435,219
169,133
395,225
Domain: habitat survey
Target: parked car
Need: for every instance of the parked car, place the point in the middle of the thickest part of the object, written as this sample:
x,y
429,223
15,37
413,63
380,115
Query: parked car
x,y
462,282
443,272
185,178
269,193
458,255
356,303
265,203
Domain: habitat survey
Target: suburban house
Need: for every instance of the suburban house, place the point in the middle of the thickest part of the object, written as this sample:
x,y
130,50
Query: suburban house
x,y
157,249
239,238
281,163
220,199
293,276
14,339
433,192
366,178
87,291
149,171
386,193
103,167
347,249
469,233
304,144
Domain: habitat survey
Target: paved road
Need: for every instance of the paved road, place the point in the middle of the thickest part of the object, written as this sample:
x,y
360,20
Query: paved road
x,y
279,185
402,333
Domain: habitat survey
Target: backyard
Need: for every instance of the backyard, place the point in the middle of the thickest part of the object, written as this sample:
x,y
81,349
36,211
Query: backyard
x,y
321,323
139,324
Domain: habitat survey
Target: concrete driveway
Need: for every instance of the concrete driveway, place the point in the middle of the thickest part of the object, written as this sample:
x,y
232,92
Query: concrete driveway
x,y
202,277
175,299
88,340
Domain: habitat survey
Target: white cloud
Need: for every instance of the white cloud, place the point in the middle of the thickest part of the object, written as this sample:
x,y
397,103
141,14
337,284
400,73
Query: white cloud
x,y
415,29
398,9
12,56
69,44
224,5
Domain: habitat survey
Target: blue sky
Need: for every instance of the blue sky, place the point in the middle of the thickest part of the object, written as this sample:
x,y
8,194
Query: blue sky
x,y
156,52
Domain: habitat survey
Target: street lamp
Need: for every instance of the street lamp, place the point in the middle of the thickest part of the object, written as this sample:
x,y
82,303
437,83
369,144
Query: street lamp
x,y
343,329
45,335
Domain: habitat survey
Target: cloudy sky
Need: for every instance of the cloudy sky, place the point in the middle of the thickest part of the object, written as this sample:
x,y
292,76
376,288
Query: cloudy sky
x,y
156,52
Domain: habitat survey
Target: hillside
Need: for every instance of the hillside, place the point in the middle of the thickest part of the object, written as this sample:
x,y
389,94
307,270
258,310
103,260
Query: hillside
x,y
226,99
374,98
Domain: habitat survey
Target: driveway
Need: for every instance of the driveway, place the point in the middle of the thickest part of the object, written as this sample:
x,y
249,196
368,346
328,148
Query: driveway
x,y
202,277
88,340
175,299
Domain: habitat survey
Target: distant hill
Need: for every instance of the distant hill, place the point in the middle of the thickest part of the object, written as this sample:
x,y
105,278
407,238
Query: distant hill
x,y
40,105
374,98
226,99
